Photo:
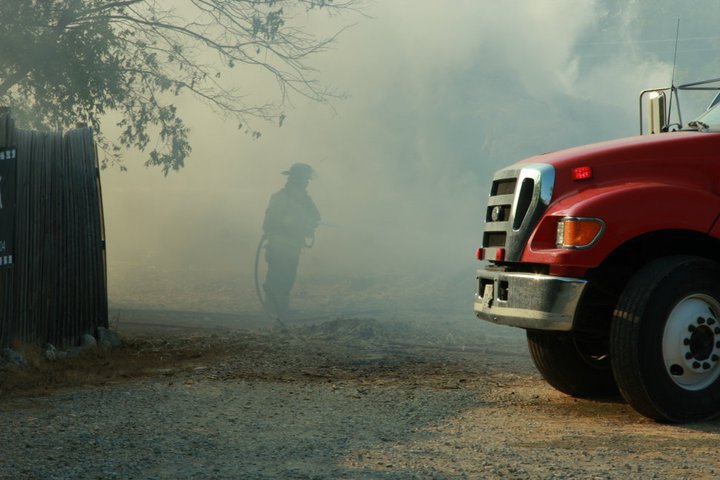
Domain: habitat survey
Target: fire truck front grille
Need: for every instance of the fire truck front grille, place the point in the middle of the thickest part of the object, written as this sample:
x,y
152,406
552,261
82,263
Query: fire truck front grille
x,y
518,198
494,239
505,186
499,214
523,200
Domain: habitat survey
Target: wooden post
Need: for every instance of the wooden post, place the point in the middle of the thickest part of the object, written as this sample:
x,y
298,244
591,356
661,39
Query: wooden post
x,y
7,319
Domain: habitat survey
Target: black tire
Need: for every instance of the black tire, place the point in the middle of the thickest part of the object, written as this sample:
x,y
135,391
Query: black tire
x,y
568,367
665,340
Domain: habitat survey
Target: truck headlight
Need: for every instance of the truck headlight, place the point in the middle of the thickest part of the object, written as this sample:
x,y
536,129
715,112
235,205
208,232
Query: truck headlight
x,y
578,232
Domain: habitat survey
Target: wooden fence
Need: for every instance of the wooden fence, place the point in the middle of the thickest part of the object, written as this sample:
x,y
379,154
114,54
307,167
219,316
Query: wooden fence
x,y
57,288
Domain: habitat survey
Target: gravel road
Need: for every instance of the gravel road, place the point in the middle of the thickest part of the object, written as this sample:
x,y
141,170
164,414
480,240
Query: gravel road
x,y
343,398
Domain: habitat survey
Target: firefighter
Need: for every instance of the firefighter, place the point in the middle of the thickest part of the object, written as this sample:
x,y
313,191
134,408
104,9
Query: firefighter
x,y
290,222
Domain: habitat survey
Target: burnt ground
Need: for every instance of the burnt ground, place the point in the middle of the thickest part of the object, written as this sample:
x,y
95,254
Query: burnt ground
x,y
406,395
227,346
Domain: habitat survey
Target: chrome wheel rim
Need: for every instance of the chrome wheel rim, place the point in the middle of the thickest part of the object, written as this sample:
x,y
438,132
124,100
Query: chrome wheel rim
x,y
691,342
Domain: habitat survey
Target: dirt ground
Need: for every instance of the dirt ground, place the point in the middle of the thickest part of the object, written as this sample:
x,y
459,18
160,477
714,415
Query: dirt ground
x,y
407,395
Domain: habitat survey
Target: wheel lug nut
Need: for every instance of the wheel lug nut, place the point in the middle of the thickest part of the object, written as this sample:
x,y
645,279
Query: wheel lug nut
x,y
686,341
696,364
715,358
700,320
717,344
688,355
717,330
691,328
706,366
711,321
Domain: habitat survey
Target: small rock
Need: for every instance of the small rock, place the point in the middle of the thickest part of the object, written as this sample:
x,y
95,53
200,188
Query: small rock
x,y
12,357
51,352
72,353
87,341
108,339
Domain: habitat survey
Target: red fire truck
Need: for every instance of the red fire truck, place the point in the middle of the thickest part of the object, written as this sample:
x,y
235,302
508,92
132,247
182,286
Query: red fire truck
x,y
608,255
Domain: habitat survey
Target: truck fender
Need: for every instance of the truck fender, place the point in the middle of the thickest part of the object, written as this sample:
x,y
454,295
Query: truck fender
x,y
628,211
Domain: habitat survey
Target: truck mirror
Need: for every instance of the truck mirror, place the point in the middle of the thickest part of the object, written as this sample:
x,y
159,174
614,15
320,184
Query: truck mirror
x,y
657,112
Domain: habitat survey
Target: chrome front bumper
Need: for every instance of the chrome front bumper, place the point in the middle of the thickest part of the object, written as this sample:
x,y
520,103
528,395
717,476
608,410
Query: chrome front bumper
x,y
526,300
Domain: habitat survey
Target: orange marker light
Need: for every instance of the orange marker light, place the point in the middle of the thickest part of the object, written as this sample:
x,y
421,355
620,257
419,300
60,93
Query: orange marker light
x,y
582,173
574,232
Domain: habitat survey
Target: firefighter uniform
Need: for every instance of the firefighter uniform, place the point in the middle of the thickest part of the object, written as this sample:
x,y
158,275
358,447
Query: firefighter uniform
x,y
290,222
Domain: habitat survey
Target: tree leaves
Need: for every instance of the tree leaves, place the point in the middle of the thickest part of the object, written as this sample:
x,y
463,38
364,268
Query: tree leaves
x,y
65,61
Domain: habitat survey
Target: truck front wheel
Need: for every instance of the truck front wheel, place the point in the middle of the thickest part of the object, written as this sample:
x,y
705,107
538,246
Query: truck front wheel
x,y
571,365
665,340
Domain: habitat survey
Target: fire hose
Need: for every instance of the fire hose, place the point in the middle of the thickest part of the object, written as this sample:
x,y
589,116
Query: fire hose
x,y
258,291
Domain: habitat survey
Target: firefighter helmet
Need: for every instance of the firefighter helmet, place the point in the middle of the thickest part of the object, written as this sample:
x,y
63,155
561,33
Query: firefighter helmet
x,y
300,171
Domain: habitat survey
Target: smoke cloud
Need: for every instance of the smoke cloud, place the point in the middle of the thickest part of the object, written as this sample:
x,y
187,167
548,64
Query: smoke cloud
x,y
439,96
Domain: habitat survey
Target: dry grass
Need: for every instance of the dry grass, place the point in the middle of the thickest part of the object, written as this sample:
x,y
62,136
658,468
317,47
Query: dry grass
x,y
344,349
138,357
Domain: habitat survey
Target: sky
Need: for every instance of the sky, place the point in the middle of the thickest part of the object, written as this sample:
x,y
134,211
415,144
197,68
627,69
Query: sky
x,y
439,95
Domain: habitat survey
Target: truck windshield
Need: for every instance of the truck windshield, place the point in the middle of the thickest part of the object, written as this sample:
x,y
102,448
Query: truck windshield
x,y
709,120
